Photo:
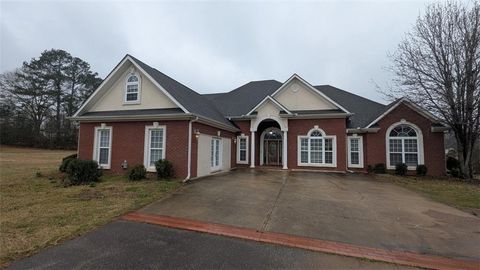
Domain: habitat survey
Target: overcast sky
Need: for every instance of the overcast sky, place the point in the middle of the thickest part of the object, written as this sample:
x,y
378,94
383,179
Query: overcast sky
x,y
218,46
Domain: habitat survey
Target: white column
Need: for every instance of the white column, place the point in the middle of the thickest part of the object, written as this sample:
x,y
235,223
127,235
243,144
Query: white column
x,y
252,152
284,156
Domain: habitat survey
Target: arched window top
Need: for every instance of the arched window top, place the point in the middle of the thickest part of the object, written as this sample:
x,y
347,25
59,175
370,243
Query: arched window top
x,y
316,132
273,134
132,78
403,130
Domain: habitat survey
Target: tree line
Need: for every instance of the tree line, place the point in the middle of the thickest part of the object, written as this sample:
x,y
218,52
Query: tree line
x,y
37,98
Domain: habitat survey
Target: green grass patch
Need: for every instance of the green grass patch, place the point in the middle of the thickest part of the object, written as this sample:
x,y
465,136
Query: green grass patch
x,y
37,211
455,192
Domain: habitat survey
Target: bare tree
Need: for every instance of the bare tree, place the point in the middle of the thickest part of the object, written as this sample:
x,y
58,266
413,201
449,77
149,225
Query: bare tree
x,y
437,65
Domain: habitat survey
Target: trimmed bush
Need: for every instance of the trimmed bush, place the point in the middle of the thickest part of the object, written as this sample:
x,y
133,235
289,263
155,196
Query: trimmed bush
x,y
83,172
421,170
455,172
138,172
370,169
452,163
401,169
65,161
379,168
164,169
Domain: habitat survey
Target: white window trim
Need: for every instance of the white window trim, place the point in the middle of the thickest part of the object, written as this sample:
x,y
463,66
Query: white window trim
x,y
238,149
146,151
419,138
96,151
125,101
334,150
360,152
220,157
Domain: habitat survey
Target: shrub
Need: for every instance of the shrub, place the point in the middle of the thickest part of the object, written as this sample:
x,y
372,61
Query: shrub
x,y
164,169
455,172
83,171
369,168
138,172
421,170
379,168
65,161
401,169
452,163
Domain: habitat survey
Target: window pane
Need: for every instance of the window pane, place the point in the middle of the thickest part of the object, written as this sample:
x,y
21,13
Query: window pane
x,y
403,131
212,153
410,145
155,155
243,143
395,145
354,158
243,155
131,97
328,144
315,157
315,144
156,138
104,138
304,144
395,159
329,157
304,157
133,78
411,159
354,145
103,156
316,133
132,88
217,152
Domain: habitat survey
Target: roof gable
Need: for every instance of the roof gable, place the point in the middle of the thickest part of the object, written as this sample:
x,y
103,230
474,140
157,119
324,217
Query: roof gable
x,y
277,104
302,86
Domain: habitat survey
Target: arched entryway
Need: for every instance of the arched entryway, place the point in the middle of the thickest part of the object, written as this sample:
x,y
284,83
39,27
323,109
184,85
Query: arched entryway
x,y
271,147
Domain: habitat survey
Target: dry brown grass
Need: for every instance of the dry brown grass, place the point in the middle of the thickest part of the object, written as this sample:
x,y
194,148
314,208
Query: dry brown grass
x,y
37,211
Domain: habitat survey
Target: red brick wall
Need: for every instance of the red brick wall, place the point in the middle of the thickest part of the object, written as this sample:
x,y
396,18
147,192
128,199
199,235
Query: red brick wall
x,y
212,131
128,143
434,155
334,126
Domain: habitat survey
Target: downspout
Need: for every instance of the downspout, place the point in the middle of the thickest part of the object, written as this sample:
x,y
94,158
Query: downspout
x,y
189,166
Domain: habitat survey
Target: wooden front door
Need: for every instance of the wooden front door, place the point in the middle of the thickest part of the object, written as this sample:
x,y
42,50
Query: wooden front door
x,y
273,150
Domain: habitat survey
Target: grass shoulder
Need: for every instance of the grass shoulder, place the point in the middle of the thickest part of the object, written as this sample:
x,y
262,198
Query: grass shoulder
x,y
464,195
38,211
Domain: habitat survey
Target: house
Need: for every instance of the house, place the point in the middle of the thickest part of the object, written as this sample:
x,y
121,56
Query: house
x,y
139,115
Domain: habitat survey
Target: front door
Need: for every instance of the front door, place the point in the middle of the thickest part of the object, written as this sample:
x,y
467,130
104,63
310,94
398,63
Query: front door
x,y
273,150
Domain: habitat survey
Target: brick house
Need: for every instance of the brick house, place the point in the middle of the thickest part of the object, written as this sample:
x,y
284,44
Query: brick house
x,y
139,115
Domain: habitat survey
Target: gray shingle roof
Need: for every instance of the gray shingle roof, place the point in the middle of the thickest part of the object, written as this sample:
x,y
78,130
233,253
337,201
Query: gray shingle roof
x,y
191,100
364,110
241,100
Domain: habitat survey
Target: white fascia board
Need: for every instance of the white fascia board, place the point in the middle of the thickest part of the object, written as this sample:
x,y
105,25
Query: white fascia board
x,y
311,88
280,106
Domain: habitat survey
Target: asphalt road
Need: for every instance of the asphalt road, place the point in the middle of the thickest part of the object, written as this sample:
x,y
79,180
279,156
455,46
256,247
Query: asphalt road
x,y
131,245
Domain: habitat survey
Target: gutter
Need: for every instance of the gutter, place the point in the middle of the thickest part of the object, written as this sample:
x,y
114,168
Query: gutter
x,y
440,129
189,168
362,130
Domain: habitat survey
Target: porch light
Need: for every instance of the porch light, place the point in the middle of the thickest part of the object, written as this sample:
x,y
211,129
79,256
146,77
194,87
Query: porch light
x,y
197,133
234,140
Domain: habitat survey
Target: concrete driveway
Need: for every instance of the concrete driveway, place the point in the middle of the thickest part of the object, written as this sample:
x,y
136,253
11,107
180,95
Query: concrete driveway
x,y
347,208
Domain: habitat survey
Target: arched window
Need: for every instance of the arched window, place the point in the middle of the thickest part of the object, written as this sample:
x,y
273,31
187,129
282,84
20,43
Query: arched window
x,y
404,145
316,149
132,88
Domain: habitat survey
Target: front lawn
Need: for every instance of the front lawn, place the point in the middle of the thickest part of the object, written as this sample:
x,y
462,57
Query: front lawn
x,y
37,211
455,192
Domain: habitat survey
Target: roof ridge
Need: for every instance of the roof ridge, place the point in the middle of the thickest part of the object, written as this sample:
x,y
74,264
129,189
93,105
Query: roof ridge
x,y
322,85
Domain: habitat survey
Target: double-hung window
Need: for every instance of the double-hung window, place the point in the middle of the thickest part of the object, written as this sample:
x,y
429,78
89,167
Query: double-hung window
x,y
103,146
132,89
215,154
242,149
355,151
316,149
154,145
